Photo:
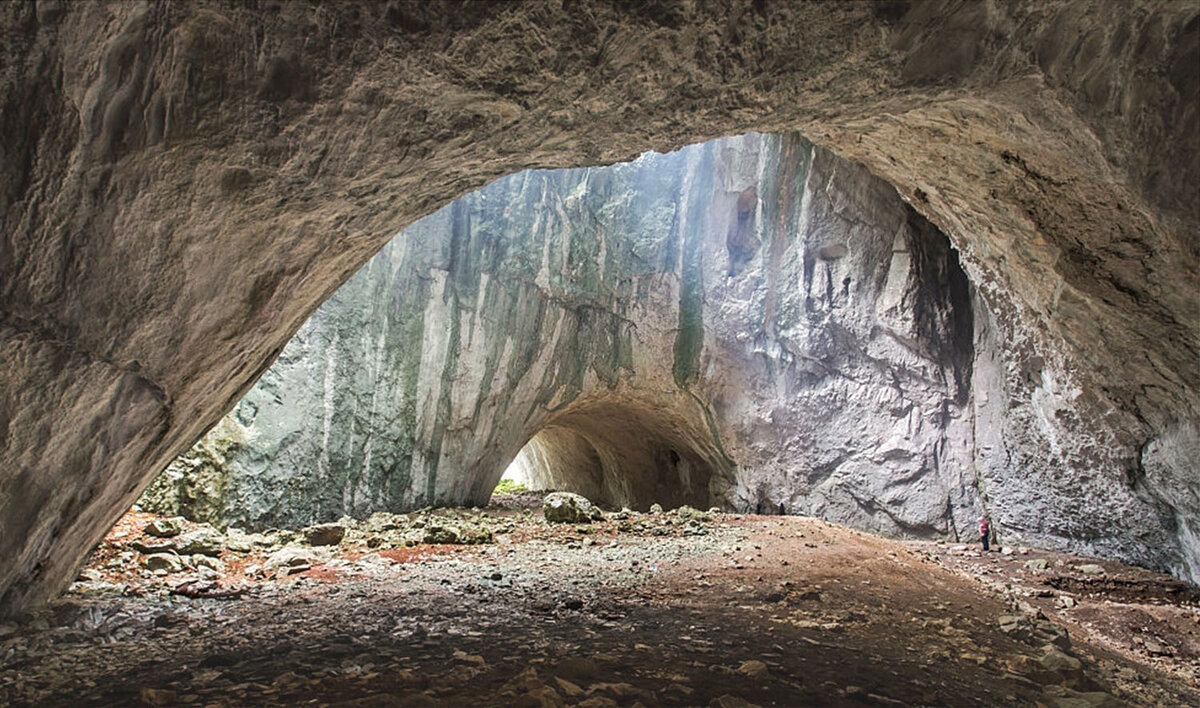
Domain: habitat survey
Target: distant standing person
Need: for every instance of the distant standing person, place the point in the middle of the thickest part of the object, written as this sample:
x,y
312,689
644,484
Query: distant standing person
x,y
985,530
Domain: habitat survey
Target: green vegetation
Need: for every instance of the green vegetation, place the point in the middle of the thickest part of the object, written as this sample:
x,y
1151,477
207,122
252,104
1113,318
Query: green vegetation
x,y
510,486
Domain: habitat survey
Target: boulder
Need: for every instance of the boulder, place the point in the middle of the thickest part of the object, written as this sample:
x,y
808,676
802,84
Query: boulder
x,y
163,561
164,527
569,508
1058,661
475,534
442,533
202,561
205,540
291,557
150,545
753,669
1035,628
691,513
329,534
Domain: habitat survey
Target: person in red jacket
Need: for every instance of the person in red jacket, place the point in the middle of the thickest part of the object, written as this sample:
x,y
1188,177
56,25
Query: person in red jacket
x,y
984,531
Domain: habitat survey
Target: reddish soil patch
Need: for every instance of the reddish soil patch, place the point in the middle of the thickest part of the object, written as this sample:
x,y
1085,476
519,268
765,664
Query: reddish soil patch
x,y
414,554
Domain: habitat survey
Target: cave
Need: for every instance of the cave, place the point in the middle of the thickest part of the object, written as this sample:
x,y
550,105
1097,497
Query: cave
x,y
598,321
183,184
618,456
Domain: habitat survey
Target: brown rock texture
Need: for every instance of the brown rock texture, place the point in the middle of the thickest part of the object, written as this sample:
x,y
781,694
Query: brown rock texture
x,y
181,184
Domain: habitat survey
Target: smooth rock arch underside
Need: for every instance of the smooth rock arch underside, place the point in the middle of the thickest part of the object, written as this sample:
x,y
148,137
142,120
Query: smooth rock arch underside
x,y
181,185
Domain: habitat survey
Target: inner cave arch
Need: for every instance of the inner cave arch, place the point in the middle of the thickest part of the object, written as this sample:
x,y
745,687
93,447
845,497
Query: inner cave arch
x,y
751,322
622,455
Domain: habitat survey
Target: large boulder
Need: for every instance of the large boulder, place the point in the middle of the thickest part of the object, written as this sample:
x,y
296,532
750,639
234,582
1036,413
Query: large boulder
x,y
568,508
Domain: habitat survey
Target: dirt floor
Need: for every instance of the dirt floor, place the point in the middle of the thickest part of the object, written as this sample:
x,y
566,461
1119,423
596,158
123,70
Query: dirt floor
x,y
674,609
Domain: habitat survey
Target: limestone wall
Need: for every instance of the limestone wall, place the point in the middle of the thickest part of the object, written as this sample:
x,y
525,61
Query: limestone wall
x,y
753,323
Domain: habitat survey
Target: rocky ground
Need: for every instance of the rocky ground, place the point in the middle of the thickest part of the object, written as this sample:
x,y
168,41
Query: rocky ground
x,y
679,608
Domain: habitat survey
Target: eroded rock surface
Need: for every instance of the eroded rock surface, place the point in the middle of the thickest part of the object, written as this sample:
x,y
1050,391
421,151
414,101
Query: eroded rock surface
x,y
183,183
753,323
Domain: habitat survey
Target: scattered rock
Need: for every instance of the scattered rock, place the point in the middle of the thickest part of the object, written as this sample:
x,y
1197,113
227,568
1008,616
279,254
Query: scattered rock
x,y
203,561
329,534
157,697
1090,569
1063,697
525,681
291,557
542,697
89,575
164,527
1036,565
163,561
1035,628
437,533
616,689
472,535
568,688
731,701
474,659
1058,661
382,521
1022,665
151,544
753,669
1010,624
577,669
687,512
205,539
595,679
565,507
1154,647
238,543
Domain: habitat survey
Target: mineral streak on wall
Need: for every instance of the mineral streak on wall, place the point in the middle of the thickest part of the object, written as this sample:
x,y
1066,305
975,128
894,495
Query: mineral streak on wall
x,y
751,322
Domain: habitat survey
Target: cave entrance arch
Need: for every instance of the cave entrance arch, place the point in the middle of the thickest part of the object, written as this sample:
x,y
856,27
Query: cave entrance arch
x,y
111,377
624,454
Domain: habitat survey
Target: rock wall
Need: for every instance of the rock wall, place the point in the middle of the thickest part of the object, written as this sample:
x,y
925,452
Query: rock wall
x,y
752,323
181,184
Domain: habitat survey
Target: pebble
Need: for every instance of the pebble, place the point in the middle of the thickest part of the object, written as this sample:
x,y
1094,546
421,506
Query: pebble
x,y
753,669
